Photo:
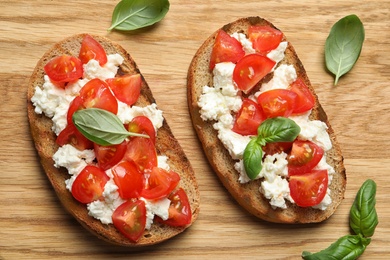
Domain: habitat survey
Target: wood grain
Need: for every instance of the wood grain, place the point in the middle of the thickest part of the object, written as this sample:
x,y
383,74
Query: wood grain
x,y
34,226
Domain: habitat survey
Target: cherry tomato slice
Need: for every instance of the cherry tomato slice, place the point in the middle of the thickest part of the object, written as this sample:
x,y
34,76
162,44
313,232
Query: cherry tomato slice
x,y
70,135
143,152
130,219
128,178
264,38
97,94
248,118
142,125
250,70
91,49
89,184
64,68
179,211
225,49
305,99
126,88
108,156
277,102
159,183
76,104
277,147
309,189
304,156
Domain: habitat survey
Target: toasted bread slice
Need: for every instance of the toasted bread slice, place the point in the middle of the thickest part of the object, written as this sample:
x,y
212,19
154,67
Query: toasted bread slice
x,y
166,144
248,195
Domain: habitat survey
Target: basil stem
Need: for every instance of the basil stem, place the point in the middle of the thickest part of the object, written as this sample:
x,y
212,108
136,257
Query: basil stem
x,y
134,14
343,45
348,247
363,218
101,127
278,129
253,156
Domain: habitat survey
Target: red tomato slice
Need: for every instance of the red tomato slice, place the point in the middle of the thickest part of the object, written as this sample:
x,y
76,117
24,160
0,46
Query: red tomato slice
x,y
64,68
130,219
128,178
142,125
304,156
89,184
70,135
76,104
225,49
277,102
179,211
250,70
143,152
248,118
97,94
309,189
126,88
278,147
305,99
108,156
264,38
91,49
159,183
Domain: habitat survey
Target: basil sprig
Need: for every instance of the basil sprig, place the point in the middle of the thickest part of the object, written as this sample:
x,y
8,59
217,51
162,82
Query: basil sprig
x,y
134,14
101,126
343,45
363,220
278,129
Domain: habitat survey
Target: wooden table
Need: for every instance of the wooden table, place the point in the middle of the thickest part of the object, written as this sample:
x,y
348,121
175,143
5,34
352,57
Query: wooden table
x,y
33,225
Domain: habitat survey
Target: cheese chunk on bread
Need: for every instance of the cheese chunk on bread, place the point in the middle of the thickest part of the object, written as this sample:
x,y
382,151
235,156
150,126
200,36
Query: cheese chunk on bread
x,y
166,144
247,194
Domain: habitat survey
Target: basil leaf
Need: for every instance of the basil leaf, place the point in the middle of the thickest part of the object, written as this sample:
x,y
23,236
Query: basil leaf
x,y
253,155
343,45
101,127
363,218
134,14
278,129
348,247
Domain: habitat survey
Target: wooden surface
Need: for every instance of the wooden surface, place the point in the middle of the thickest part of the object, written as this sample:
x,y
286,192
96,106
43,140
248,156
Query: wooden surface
x,y
34,226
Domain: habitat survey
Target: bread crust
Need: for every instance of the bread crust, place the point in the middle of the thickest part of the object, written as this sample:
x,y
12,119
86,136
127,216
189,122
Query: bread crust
x,y
166,144
247,195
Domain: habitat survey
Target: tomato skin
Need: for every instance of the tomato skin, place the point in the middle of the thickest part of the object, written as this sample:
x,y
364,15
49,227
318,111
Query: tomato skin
x,y
70,135
277,102
309,189
126,88
248,118
64,68
143,152
97,94
250,70
304,156
130,219
89,184
159,183
179,211
142,125
91,49
108,156
225,49
305,99
128,178
264,38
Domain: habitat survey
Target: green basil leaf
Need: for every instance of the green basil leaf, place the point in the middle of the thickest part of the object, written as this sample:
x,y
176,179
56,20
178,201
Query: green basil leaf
x,y
348,247
253,156
134,14
278,129
101,126
363,218
343,45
